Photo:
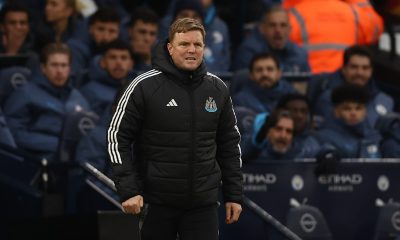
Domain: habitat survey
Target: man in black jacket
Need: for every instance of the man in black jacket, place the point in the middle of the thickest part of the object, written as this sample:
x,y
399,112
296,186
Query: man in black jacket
x,y
180,122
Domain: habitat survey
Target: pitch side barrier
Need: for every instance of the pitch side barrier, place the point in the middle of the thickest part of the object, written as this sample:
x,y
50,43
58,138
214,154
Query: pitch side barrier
x,y
252,206
359,201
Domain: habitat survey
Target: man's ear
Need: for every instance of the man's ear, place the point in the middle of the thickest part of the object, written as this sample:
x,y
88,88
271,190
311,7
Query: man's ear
x,y
169,47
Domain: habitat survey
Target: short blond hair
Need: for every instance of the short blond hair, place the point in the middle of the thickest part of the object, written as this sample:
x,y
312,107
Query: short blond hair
x,y
183,25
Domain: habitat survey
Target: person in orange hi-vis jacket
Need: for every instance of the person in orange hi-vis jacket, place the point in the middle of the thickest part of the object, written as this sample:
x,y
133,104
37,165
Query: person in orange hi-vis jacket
x,y
326,27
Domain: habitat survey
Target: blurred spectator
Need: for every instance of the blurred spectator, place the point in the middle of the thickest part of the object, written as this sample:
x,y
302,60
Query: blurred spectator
x,y
108,75
104,27
300,108
389,127
325,28
348,131
265,86
271,35
217,50
272,139
357,69
61,23
143,31
36,111
16,38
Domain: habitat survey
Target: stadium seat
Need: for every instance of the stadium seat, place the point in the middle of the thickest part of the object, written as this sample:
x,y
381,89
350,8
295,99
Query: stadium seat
x,y
76,125
308,223
12,78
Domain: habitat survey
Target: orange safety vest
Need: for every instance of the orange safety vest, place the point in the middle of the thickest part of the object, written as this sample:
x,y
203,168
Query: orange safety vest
x,y
371,21
325,28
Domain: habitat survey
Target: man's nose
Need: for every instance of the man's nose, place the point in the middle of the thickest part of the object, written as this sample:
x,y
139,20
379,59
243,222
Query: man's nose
x,y
191,48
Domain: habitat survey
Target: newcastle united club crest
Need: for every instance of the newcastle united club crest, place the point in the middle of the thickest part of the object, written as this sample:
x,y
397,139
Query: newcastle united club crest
x,y
211,106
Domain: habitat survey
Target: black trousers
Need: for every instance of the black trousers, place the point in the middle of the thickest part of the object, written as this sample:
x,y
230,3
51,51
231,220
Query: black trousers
x,y
164,223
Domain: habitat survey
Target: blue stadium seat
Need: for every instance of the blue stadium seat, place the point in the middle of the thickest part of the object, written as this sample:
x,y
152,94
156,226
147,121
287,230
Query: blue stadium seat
x,y
10,79
308,223
388,224
76,125
245,118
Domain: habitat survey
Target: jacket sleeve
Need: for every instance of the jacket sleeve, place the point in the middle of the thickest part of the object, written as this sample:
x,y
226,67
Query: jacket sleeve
x,y
229,155
122,134
19,117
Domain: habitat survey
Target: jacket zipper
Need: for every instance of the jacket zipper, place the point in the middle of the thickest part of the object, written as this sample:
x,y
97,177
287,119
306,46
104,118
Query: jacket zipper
x,y
192,157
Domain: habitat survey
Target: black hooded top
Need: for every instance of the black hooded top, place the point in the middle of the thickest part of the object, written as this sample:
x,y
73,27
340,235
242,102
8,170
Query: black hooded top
x,y
184,134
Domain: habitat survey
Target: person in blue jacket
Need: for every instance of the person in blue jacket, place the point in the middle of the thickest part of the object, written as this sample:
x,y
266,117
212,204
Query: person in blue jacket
x,y
104,27
389,127
299,106
272,139
349,131
143,32
35,112
357,69
217,53
15,34
272,35
61,22
265,86
107,75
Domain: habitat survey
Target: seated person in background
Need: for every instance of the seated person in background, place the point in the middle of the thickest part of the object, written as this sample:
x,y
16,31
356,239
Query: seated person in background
x,y
104,26
349,131
273,139
62,22
108,75
217,42
36,111
299,106
389,127
16,38
272,35
265,87
357,69
142,31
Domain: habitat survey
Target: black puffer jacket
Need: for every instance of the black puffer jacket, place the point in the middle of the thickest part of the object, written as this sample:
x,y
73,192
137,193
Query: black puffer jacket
x,y
185,137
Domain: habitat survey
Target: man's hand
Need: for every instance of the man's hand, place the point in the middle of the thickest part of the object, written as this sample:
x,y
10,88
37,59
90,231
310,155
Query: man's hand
x,y
133,204
233,211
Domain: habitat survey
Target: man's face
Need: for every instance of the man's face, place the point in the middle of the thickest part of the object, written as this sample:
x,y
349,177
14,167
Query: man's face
x,y
117,62
142,37
57,69
358,70
276,29
265,72
17,24
281,135
300,111
351,113
104,32
57,10
186,50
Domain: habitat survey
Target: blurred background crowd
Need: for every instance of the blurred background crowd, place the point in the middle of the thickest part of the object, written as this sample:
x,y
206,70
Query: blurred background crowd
x,y
304,75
